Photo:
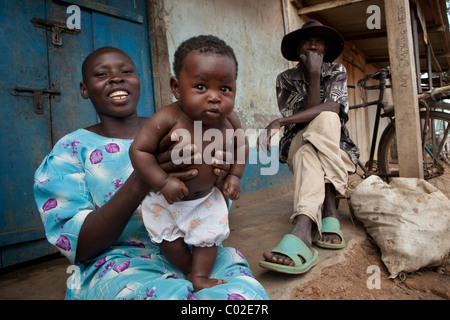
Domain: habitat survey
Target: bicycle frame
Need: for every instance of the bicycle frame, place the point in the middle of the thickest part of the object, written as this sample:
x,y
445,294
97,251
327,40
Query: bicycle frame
x,y
383,111
381,75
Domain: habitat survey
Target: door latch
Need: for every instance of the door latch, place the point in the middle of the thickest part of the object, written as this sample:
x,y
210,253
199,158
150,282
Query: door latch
x,y
57,29
38,96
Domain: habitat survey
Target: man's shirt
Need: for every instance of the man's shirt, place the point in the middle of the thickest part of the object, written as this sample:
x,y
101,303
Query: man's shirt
x,y
291,87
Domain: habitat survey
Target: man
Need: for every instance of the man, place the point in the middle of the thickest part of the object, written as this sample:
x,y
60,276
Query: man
x,y
312,98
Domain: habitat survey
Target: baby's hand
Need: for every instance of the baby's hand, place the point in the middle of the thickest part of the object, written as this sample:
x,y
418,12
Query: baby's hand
x,y
174,190
232,187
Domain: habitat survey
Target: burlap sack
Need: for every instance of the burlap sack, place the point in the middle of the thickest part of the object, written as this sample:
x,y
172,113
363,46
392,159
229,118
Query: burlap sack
x,y
409,219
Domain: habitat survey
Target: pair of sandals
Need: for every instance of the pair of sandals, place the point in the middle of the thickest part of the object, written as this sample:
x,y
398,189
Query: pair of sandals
x,y
292,247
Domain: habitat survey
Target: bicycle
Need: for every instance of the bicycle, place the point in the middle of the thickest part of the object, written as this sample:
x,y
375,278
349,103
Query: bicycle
x,y
434,120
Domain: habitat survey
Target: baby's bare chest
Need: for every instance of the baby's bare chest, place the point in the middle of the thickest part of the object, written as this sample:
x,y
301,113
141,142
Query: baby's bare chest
x,y
207,139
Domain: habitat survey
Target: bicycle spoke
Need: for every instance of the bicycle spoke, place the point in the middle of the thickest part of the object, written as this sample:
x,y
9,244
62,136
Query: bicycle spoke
x,y
435,141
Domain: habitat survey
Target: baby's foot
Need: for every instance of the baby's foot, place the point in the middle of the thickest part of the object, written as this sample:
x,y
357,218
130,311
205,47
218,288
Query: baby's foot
x,y
200,283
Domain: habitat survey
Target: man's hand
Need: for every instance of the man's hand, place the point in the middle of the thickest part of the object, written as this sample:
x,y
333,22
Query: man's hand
x,y
313,62
267,134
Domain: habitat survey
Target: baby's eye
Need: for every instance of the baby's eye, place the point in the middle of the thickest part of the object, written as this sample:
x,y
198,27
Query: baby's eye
x,y
100,74
127,71
225,89
200,87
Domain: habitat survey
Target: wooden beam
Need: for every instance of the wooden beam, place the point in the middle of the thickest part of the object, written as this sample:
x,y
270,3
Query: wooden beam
x,y
326,6
401,56
364,35
434,60
435,92
415,35
297,3
383,58
444,55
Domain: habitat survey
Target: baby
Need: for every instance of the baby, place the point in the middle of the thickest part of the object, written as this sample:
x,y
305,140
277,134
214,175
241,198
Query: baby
x,y
193,212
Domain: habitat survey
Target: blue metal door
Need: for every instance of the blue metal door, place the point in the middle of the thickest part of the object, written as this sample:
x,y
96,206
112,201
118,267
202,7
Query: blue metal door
x,y
40,67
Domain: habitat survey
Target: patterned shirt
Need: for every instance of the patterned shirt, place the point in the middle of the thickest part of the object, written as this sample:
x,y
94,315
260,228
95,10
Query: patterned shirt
x,y
291,89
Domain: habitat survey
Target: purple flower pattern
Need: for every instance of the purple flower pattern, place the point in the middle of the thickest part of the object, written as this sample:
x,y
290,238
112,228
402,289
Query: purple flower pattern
x,y
236,296
191,296
96,156
100,262
118,183
112,148
107,267
138,244
239,253
49,204
150,294
122,266
63,242
74,145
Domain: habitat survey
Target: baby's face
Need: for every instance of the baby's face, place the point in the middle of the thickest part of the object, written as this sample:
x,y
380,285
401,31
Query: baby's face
x,y
206,86
112,84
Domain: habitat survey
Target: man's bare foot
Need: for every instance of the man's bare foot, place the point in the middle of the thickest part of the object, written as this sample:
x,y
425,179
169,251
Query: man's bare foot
x,y
200,283
331,238
302,230
280,258
329,209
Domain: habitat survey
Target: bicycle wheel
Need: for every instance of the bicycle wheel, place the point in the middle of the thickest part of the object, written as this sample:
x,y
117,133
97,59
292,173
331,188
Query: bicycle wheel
x,y
436,152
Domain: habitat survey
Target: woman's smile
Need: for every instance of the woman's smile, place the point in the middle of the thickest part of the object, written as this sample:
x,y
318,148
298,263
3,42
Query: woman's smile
x,y
118,95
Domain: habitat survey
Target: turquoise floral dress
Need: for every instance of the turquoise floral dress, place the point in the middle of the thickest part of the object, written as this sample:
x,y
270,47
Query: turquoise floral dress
x,y
81,173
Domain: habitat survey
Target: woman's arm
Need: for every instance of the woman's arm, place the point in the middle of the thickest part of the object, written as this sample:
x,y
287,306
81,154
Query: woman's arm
x,y
102,227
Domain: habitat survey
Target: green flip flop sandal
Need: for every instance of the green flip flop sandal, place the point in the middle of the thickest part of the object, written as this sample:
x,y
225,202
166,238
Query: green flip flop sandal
x,y
331,225
292,247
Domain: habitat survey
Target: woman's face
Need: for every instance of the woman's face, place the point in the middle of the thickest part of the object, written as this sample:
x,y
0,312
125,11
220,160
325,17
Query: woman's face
x,y
112,84
206,86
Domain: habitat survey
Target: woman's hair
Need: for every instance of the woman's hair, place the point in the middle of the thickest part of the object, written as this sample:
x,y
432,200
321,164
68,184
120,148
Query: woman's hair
x,y
201,44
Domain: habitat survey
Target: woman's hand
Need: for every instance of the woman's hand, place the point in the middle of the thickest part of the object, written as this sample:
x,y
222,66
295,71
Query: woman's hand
x,y
164,157
267,134
221,167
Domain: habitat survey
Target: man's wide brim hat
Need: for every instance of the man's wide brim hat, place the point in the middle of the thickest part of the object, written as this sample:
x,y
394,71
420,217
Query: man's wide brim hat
x,y
313,28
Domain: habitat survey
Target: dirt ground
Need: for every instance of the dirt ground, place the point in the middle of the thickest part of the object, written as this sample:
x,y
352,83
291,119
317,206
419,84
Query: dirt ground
x,y
348,281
